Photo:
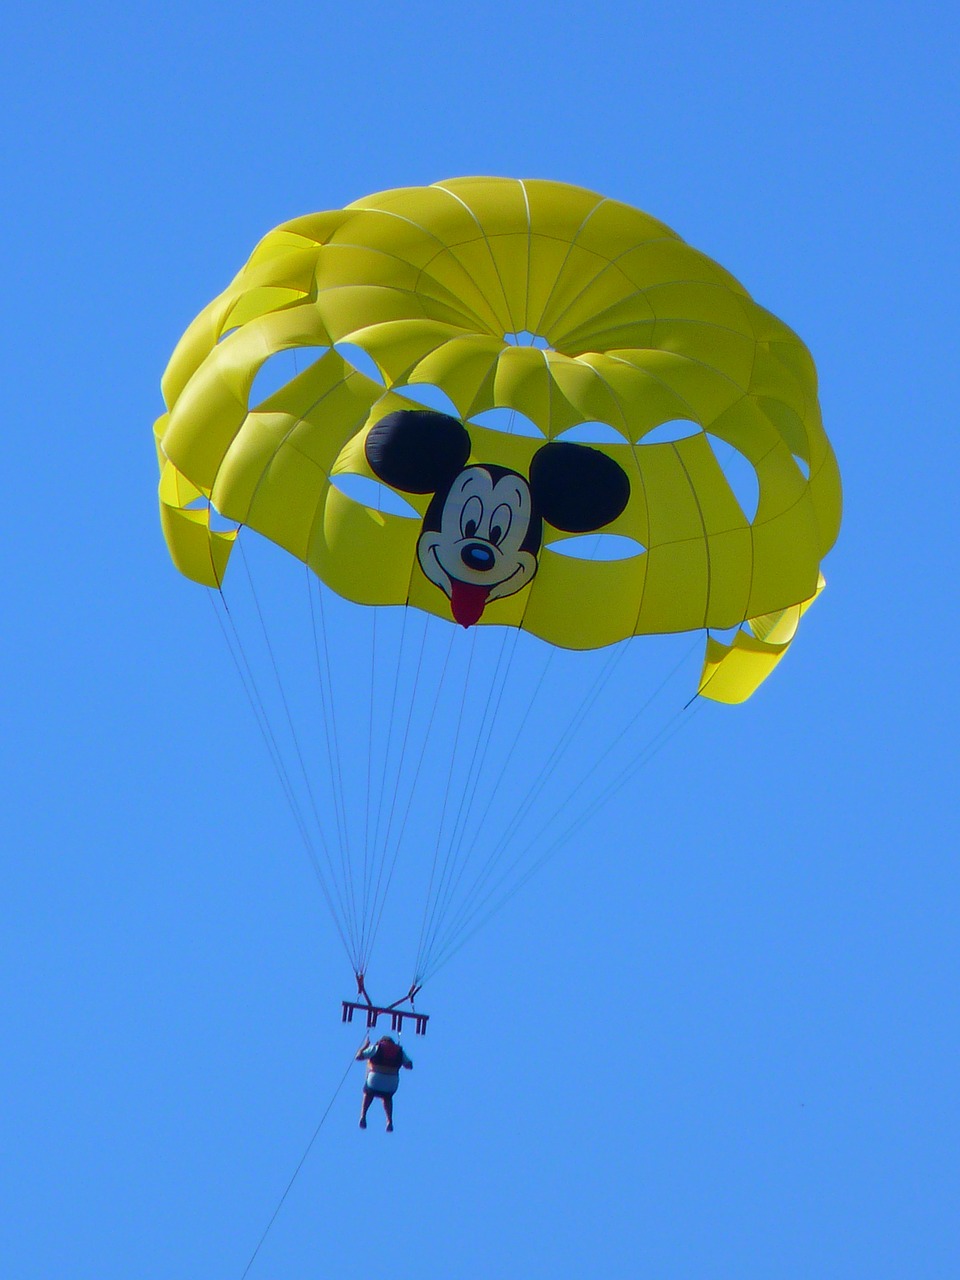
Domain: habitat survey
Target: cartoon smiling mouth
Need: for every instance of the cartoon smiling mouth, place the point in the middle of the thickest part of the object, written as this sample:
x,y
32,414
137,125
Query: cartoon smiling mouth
x,y
467,601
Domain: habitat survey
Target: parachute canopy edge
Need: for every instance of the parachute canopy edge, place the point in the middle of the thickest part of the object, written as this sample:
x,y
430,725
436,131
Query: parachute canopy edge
x,y
629,326
732,672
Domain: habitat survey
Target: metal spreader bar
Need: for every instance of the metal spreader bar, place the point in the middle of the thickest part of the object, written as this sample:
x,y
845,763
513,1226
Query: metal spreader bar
x,y
397,1015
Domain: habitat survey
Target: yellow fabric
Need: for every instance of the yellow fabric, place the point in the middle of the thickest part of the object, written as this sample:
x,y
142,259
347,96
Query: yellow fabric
x,y
429,282
198,551
731,673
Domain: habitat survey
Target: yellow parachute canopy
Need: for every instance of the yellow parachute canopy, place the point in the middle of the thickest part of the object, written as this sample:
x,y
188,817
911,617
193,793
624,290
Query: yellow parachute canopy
x,y
531,296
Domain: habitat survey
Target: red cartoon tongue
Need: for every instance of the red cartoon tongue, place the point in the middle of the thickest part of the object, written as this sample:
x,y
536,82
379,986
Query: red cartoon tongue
x,y
467,601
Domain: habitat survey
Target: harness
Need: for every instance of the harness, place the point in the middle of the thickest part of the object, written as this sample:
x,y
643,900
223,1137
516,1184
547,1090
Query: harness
x,y
387,1057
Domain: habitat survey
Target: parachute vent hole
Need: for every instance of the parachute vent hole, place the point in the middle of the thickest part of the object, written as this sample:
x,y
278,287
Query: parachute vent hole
x,y
803,465
374,495
669,432
430,396
524,338
598,546
221,524
592,433
218,523
726,634
740,475
360,360
280,369
510,421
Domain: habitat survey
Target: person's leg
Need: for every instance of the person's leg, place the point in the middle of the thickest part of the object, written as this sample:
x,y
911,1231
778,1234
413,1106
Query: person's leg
x,y
364,1108
388,1108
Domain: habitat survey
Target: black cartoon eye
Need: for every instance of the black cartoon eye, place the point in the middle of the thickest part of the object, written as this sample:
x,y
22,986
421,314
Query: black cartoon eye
x,y
500,524
470,516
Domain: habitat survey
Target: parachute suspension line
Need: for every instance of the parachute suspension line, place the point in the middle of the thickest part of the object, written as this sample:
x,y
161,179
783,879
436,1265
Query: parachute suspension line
x,y
326,683
652,746
475,774
345,893
380,849
311,794
510,829
531,795
566,738
449,863
418,771
650,749
451,843
398,842
508,759
335,761
394,699
642,758
608,751
369,798
283,697
255,699
446,797
301,1162
472,901
518,738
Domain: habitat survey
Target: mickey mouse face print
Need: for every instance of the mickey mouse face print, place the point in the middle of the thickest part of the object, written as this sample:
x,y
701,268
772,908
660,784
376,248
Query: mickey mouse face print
x,y
482,532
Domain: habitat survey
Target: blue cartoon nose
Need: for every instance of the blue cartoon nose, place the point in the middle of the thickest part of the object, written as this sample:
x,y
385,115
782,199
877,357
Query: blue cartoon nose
x,y
478,556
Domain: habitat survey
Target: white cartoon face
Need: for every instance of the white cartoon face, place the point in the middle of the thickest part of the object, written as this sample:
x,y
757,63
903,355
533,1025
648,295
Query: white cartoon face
x,y
477,554
482,531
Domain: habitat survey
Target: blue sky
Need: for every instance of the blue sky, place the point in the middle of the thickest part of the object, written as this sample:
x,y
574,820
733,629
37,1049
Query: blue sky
x,y
717,1036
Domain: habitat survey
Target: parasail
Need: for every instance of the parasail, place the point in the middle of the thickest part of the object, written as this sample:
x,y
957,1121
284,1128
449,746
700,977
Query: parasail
x,y
597,386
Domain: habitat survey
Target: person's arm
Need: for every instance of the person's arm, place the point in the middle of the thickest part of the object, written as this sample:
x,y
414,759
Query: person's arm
x,y
405,1061
364,1052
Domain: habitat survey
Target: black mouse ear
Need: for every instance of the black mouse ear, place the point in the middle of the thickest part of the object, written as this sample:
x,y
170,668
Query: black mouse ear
x,y
417,450
576,488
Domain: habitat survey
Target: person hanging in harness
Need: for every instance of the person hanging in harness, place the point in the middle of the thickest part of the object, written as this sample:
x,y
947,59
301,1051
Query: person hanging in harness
x,y
384,1060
